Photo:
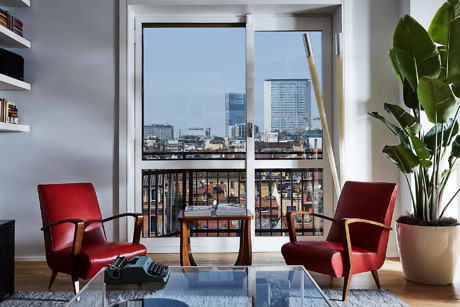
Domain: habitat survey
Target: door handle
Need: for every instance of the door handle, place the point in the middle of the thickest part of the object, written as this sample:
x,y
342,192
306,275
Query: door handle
x,y
249,130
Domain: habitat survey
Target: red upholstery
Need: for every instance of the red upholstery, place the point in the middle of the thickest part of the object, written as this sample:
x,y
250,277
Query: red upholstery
x,y
78,201
371,201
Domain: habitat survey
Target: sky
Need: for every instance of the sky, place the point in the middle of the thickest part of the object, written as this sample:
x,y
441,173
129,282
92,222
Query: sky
x,y
187,72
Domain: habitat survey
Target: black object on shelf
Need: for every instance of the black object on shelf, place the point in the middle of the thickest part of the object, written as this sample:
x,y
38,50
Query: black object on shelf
x,y
6,257
11,64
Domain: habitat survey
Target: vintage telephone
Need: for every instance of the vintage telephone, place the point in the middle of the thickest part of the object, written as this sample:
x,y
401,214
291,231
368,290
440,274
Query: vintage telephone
x,y
137,270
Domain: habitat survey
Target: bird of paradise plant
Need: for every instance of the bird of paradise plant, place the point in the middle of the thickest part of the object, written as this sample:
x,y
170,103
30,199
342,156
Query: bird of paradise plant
x,y
427,65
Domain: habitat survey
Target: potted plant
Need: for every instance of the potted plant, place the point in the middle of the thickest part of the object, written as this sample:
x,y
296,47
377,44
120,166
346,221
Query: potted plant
x,y
427,65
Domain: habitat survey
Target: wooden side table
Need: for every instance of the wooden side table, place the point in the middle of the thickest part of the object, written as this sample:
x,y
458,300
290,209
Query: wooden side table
x,y
245,251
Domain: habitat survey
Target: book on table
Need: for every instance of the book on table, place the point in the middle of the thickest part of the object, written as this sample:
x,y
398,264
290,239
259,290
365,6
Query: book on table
x,y
226,209
198,211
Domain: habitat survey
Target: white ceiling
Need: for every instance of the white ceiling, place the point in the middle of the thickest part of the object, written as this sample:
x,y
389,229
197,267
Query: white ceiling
x,y
242,7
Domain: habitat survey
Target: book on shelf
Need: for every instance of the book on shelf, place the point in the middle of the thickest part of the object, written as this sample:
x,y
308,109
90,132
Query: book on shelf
x,y
8,112
10,22
226,209
198,211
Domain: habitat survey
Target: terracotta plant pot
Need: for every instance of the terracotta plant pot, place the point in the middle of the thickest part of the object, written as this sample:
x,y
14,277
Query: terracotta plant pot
x,y
429,255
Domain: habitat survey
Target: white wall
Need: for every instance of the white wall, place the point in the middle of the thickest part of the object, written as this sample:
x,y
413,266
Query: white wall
x,y
369,83
71,109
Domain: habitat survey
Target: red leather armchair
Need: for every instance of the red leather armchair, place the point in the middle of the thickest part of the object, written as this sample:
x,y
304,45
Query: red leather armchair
x,y
75,239
358,238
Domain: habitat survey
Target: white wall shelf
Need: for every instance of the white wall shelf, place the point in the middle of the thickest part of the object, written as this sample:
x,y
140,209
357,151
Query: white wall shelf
x,y
6,127
17,3
8,83
11,40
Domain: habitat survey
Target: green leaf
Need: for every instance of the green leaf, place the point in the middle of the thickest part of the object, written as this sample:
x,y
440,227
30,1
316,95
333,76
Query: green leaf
x,y
436,98
420,148
395,130
453,48
439,27
435,133
456,147
403,157
445,30
443,55
414,52
402,117
456,89
392,56
410,96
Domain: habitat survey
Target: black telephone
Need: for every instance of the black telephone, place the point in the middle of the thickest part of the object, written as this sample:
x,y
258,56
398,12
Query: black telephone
x,y
137,270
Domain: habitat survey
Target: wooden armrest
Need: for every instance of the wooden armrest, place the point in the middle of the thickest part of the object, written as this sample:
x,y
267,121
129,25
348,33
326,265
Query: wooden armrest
x,y
136,215
73,221
137,227
291,225
345,222
348,221
78,232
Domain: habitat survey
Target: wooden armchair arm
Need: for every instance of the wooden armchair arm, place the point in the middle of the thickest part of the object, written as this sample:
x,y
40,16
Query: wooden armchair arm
x,y
349,221
78,232
73,221
344,223
137,227
291,225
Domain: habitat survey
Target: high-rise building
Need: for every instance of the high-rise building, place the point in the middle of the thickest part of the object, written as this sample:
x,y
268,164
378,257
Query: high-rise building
x,y
162,132
235,110
287,105
237,132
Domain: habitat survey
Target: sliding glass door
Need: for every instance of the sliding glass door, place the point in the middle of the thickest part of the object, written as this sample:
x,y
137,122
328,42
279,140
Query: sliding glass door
x,y
225,112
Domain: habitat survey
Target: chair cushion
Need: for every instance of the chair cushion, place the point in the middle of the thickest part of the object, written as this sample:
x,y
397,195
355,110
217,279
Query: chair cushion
x,y
93,257
327,257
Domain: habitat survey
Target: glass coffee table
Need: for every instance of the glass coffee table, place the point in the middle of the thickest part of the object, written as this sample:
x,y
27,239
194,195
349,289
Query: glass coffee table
x,y
211,286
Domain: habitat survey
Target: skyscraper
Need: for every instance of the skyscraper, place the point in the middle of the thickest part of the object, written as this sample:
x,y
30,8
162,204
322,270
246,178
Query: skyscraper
x,y
235,110
287,105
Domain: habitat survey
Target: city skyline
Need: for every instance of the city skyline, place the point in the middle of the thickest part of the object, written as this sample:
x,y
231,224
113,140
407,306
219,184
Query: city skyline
x,y
191,86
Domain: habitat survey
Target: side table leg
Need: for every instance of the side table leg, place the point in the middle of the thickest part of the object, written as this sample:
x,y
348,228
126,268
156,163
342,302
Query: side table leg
x,y
186,258
242,244
248,245
245,252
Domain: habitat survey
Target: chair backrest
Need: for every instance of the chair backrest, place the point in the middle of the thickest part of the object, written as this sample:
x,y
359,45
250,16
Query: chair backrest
x,y
69,201
368,200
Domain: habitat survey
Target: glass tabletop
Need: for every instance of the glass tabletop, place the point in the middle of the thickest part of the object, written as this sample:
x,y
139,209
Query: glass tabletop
x,y
202,286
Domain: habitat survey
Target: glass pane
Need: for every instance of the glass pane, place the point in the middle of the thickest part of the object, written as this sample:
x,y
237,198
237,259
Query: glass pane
x,y
286,118
281,191
194,93
93,294
166,192
291,287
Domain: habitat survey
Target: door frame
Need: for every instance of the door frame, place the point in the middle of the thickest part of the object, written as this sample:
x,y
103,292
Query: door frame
x,y
135,164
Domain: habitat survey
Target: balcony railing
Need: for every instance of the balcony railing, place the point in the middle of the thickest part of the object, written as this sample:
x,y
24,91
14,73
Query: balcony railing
x,y
166,192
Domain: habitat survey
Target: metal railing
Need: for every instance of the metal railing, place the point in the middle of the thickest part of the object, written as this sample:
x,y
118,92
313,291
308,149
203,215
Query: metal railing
x,y
166,192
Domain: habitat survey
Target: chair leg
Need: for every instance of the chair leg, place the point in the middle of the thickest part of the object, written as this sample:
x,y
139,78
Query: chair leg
x,y
346,284
76,285
376,278
53,278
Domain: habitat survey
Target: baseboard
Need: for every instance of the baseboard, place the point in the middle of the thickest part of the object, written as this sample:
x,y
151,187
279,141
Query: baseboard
x,y
29,258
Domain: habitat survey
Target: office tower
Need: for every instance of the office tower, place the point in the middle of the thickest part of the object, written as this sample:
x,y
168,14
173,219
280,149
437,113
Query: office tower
x,y
235,110
287,105
162,132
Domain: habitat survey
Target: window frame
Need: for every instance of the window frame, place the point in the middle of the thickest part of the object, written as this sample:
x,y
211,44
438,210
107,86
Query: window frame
x,y
134,125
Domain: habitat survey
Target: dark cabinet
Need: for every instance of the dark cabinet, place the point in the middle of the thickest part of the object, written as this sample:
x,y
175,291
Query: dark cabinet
x,y
6,257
